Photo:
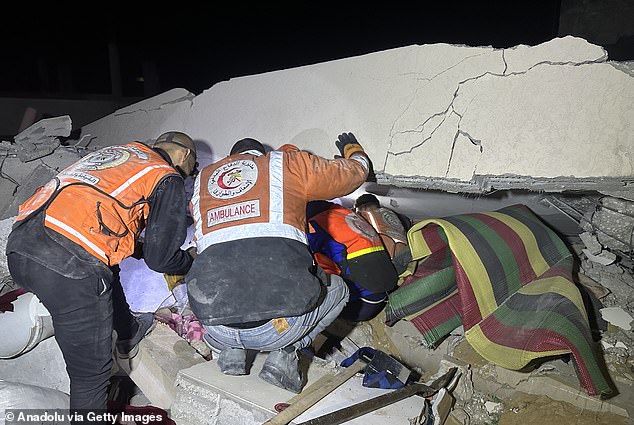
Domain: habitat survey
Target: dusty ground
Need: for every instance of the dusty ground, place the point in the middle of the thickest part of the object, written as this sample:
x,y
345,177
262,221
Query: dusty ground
x,y
530,409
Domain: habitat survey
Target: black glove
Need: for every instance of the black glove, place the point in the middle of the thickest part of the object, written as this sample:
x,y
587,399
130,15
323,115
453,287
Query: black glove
x,y
138,250
348,145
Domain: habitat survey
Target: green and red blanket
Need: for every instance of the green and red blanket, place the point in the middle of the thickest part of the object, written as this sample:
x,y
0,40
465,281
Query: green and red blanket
x,y
507,278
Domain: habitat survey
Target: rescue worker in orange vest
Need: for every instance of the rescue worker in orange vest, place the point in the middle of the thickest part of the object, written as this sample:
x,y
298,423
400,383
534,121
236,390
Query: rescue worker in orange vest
x,y
70,235
391,227
345,244
254,284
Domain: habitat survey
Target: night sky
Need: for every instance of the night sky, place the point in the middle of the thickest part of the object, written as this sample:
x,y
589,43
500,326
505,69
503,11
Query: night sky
x,y
194,47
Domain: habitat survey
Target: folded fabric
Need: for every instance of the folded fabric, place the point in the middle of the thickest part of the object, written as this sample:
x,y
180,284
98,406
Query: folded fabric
x,y
186,326
507,278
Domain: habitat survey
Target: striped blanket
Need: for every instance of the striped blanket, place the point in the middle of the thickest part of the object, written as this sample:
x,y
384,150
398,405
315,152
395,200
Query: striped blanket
x,y
506,277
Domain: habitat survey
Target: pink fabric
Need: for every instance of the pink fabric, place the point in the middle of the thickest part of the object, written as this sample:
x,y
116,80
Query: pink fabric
x,y
186,326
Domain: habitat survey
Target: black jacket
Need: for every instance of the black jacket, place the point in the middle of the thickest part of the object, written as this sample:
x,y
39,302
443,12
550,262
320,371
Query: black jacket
x,y
165,232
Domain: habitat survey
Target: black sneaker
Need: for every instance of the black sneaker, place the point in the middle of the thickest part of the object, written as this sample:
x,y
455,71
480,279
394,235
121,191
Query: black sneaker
x,y
233,361
281,368
128,348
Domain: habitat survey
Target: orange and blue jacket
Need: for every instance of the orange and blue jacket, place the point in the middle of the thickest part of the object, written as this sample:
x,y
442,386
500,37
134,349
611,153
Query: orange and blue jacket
x,y
344,243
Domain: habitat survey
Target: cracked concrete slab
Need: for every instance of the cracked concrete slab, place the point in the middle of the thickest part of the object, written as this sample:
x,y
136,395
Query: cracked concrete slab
x,y
42,138
142,121
553,117
18,180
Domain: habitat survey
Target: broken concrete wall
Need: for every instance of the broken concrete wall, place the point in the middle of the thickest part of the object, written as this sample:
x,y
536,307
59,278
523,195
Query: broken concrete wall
x,y
32,159
142,121
552,117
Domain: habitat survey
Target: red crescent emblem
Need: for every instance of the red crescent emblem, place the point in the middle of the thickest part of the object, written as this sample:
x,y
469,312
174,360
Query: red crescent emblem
x,y
234,178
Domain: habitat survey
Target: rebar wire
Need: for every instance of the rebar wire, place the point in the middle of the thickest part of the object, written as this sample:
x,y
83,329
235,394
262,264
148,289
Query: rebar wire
x,y
629,255
6,176
597,206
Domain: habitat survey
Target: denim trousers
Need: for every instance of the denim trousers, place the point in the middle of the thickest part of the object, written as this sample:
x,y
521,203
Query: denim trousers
x,y
82,311
299,331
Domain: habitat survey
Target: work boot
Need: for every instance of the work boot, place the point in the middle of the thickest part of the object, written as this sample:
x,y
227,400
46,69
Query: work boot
x,y
281,369
233,361
128,348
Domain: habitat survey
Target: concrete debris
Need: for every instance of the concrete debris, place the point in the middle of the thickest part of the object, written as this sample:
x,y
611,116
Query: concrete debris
x,y
38,177
146,120
493,407
162,354
5,229
592,244
44,365
14,395
617,317
605,257
452,118
18,180
614,278
613,219
590,284
459,417
606,345
463,390
525,408
42,138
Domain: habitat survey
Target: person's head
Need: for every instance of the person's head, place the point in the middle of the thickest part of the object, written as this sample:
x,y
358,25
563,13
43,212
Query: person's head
x,y
247,145
181,150
368,200
315,207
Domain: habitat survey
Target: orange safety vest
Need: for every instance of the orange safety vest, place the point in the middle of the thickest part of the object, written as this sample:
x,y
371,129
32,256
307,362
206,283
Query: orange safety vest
x,y
249,196
100,202
348,229
389,227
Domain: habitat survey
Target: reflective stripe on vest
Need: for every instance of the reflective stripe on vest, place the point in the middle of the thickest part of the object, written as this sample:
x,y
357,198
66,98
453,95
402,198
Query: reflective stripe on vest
x,y
350,229
62,228
275,227
100,202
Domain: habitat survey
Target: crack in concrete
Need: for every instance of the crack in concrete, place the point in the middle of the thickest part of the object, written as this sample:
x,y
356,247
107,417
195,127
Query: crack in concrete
x,y
464,133
454,97
187,98
444,112
8,177
147,111
414,98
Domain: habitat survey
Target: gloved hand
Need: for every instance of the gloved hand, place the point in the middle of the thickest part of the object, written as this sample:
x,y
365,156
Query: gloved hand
x,y
348,145
138,250
173,280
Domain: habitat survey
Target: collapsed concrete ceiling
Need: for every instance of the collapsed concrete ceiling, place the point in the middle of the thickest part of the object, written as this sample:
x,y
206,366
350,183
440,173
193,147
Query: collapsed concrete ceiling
x,y
556,116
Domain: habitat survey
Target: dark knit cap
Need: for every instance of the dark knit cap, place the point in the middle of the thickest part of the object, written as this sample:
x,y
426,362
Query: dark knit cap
x,y
246,144
367,198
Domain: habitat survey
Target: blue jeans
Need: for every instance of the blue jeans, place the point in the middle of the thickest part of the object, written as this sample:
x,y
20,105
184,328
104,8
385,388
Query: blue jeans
x,y
299,331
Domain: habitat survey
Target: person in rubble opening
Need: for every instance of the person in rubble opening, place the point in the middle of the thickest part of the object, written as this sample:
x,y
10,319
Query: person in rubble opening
x,y
343,243
253,284
69,237
392,229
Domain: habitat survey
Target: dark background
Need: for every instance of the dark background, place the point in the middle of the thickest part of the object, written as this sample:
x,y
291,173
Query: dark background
x,y
193,46
54,50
